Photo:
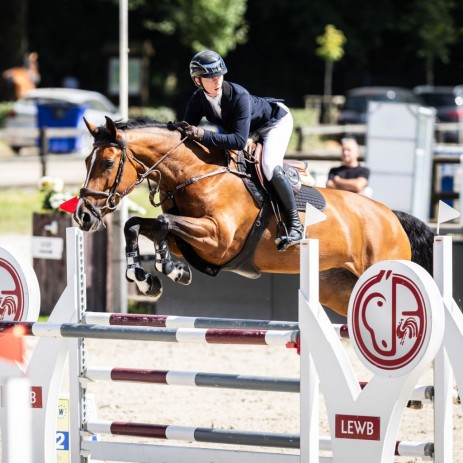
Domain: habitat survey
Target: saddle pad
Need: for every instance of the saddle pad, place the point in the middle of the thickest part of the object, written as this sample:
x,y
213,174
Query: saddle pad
x,y
312,196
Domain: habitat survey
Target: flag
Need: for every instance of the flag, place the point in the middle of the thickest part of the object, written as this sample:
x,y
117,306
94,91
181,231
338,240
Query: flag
x,y
69,205
12,344
445,213
312,216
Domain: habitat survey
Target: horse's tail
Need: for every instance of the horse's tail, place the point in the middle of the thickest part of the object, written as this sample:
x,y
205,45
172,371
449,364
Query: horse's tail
x,y
421,239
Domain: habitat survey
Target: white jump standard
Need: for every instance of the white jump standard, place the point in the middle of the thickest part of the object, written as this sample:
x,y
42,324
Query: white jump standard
x,y
397,319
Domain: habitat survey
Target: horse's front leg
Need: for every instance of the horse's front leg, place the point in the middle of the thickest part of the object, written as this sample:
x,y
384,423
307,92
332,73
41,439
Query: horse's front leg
x,y
146,282
156,230
175,269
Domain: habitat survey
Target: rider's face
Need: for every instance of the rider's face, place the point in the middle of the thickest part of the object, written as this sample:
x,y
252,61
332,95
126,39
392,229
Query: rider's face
x,y
212,85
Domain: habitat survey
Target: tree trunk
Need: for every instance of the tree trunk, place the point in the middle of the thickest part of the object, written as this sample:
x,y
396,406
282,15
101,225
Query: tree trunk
x,y
327,90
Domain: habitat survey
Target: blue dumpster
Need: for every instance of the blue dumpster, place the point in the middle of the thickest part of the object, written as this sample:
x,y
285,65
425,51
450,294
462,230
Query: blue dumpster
x,y
61,114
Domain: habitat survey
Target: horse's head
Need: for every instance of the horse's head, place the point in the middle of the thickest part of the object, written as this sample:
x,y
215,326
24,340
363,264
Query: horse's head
x,y
109,176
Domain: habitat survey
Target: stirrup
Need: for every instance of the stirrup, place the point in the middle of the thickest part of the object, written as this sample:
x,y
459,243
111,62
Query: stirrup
x,y
284,242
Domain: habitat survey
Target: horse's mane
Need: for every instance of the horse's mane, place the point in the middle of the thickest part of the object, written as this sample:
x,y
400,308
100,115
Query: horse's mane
x,y
140,122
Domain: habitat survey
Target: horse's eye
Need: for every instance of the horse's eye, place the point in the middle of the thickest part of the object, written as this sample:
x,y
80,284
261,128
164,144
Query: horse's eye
x,y
107,164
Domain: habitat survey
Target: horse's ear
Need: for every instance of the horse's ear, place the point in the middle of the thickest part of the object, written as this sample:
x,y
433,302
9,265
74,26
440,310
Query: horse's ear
x,y
111,127
93,129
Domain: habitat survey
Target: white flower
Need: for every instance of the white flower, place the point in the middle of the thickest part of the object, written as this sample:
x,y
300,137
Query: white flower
x,y
44,183
58,184
48,183
57,199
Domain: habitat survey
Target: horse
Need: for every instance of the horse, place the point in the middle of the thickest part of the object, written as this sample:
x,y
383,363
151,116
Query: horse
x,y
208,215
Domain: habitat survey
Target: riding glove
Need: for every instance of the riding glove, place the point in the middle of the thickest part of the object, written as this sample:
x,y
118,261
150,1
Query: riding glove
x,y
193,132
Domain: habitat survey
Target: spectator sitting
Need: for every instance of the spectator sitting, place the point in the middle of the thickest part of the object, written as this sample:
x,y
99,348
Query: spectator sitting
x,y
350,175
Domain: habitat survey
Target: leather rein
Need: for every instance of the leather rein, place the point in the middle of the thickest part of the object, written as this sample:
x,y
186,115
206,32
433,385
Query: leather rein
x,y
111,195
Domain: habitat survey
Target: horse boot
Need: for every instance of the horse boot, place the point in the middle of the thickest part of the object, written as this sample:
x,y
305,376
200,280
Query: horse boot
x,y
285,194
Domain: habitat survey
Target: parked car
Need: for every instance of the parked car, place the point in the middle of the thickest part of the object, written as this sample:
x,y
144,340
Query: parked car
x,y
448,102
355,108
25,114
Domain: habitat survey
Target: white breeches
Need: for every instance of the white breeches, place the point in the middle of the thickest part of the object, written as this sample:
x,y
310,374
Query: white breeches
x,y
276,140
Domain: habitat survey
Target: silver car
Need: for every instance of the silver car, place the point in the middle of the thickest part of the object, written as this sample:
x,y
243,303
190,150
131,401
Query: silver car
x,y
56,107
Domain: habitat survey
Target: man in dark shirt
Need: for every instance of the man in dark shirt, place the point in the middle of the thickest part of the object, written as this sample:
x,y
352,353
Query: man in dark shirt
x,y
350,175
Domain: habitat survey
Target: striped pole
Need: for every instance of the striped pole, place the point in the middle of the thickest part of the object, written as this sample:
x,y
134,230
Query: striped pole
x,y
233,437
421,394
175,321
197,379
142,333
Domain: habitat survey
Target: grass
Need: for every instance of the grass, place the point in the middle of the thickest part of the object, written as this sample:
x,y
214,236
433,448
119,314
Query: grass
x,y
16,208
18,204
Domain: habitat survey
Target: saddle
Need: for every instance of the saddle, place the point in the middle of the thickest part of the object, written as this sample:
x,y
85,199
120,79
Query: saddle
x,y
296,171
248,163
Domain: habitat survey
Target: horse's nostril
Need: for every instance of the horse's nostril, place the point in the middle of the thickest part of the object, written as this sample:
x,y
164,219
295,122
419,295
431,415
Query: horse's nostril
x,y
86,217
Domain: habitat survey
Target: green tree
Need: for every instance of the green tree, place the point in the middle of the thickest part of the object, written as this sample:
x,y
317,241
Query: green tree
x,y
433,25
331,49
204,24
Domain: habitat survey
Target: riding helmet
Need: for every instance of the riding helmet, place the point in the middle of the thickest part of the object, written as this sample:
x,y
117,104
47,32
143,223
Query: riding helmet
x,y
207,64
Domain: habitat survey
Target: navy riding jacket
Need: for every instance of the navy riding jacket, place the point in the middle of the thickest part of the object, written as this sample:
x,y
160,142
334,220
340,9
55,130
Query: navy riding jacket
x,y
242,114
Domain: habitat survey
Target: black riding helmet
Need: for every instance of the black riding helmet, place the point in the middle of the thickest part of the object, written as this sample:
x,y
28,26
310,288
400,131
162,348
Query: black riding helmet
x,y
207,64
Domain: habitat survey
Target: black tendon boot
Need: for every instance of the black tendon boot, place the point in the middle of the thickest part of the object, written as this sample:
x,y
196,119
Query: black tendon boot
x,y
285,194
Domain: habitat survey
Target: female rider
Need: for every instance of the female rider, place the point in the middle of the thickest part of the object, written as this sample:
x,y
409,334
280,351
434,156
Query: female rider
x,y
239,113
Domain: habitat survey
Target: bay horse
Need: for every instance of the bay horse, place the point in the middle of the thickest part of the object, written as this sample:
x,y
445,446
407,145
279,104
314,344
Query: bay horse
x,y
208,214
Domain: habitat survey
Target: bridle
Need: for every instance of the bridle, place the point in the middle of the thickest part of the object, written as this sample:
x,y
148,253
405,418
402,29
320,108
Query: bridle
x,y
112,194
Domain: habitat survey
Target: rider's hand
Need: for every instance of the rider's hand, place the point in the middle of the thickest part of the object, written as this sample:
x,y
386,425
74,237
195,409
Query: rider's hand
x,y
194,133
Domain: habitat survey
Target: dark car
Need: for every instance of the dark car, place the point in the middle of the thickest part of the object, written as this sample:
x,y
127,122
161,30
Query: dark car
x,y
448,102
355,108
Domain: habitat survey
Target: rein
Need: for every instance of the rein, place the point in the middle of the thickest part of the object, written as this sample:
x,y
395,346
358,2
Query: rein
x,y
112,194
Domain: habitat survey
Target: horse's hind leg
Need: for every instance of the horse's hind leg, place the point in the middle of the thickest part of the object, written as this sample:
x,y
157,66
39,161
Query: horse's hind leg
x,y
336,286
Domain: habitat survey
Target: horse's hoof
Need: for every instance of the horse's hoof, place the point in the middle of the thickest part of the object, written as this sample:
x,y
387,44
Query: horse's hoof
x,y
155,287
185,278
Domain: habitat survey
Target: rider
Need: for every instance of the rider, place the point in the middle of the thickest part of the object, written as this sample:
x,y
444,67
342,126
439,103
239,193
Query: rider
x,y
232,107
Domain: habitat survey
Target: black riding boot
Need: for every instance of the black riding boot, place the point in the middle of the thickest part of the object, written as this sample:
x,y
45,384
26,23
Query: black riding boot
x,y
285,194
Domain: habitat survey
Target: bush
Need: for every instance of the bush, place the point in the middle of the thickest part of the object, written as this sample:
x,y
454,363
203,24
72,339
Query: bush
x,y
5,107
160,114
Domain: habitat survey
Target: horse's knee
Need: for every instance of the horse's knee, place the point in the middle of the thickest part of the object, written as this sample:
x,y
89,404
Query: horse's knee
x,y
131,233
132,227
162,224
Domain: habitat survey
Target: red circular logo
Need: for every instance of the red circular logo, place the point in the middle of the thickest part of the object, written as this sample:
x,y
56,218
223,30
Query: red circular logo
x,y
389,320
11,293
